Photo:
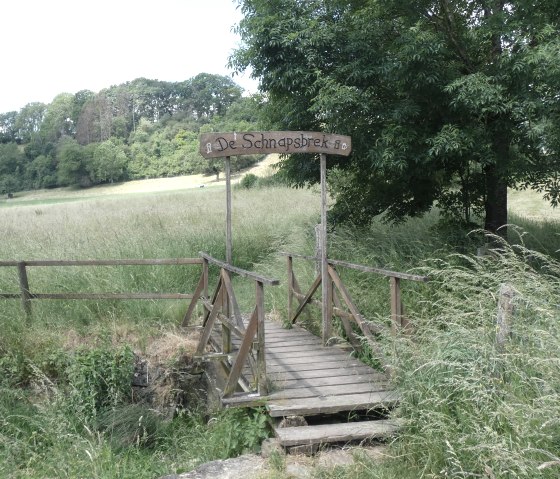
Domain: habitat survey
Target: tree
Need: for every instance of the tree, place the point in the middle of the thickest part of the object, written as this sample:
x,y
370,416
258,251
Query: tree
x,y
72,161
448,102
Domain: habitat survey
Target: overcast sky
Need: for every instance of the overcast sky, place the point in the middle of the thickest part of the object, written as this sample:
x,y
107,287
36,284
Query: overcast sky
x,y
56,46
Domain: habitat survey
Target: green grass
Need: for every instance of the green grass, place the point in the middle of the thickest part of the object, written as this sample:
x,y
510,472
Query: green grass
x,y
468,409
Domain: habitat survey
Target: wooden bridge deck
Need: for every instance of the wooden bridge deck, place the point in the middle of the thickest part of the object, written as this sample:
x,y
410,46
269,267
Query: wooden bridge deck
x,y
309,379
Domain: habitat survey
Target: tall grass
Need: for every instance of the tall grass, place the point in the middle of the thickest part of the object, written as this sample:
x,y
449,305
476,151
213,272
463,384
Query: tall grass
x,y
468,409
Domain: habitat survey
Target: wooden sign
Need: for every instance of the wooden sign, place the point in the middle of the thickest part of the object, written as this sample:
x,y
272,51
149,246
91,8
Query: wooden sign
x,y
215,145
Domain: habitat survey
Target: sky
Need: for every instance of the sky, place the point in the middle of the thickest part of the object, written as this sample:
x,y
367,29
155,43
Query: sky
x,y
64,46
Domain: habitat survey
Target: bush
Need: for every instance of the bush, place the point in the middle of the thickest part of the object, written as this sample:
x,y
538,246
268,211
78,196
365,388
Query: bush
x,y
249,181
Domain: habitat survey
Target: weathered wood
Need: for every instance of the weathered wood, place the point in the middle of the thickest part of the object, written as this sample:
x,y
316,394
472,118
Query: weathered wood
x,y
374,380
229,237
242,355
299,365
326,391
107,262
344,317
241,272
360,321
307,298
291,292
209,321
329,433
384,272
506,311
314,406
232,300
219,145
115,296
396,304
261,353
316,371
194,301
24,288
326,308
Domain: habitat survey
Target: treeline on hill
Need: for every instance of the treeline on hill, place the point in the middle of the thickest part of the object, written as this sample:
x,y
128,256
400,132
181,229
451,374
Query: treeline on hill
x,y
139,129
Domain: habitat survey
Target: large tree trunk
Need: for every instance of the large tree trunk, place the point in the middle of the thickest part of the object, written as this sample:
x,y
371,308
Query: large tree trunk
x,y
496,202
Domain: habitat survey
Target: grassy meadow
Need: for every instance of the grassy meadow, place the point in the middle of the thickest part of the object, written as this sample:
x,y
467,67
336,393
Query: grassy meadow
x,y
468,409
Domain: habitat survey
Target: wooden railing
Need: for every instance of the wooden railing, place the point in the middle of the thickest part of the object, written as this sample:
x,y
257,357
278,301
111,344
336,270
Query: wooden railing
x,y
341,304
27,295
223,309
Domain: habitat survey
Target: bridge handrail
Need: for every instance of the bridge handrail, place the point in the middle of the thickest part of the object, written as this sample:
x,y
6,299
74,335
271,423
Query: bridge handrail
x,y
241,272
364,269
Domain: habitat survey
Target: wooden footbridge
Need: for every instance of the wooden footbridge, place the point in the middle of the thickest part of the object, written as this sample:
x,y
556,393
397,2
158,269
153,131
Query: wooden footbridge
x,y
316,383
292,372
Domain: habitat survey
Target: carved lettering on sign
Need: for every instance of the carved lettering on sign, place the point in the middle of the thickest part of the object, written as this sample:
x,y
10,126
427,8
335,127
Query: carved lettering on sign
x,y
214,145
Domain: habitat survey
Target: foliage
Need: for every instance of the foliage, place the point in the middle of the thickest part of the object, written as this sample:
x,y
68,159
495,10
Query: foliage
x,y
248,181
446,102
136,130
99,379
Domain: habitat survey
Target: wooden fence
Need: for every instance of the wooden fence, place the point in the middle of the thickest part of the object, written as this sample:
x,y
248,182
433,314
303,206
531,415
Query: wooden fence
x,y
340,303
27,295
223,309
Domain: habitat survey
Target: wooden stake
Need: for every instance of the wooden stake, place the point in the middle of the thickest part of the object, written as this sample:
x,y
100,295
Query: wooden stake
x,y
229,240
24,287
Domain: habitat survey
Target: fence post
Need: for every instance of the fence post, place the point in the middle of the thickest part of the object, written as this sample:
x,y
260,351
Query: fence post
x,y
261,353
326,309
24,288
506,310
396,305
290,286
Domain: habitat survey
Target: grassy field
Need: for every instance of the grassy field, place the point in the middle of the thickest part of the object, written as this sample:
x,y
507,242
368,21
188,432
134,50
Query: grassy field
x,y
468,409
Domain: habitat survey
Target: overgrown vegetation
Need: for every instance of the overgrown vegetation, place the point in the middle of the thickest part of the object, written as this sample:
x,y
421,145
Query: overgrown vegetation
x,y
467,408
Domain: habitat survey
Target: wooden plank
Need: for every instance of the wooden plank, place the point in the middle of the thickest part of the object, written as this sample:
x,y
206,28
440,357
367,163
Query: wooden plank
x,y
384,272
315,371
331,366
115,296
327,391
374,379
242,355
220,145
194,301
261,339
308,296
325,351
107,262
328,433
241,272
280,342
233,300
209,322
314,406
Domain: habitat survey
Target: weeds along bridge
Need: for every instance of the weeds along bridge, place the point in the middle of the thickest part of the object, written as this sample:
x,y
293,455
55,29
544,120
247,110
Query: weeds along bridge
x,y
291,372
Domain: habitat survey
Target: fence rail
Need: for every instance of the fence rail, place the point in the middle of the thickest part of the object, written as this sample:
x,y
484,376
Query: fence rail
x,y
223,309
27,295
340,303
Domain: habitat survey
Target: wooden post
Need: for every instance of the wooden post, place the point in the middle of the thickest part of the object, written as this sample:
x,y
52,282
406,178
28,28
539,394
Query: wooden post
x,y
205,277
229,240
317,249
396,305
24,288
506,310
261,353
325,281
290,286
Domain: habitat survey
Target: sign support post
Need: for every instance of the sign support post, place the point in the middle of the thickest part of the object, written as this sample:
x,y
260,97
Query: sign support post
x,y
225,145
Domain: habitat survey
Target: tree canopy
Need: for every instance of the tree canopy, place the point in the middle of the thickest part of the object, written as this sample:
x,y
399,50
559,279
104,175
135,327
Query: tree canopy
x,y
448,102
138,129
